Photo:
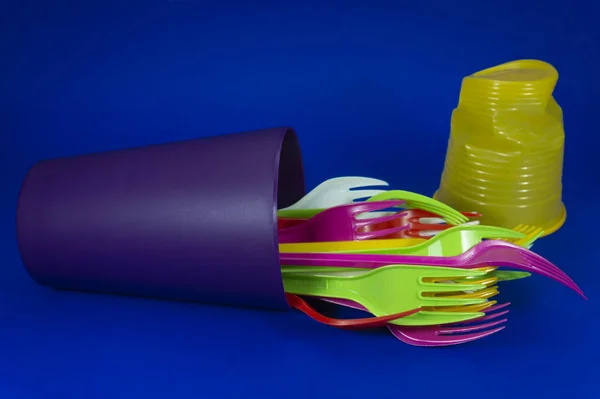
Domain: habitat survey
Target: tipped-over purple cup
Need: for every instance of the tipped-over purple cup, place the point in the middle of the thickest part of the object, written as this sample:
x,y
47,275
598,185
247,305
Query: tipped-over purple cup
x,y
192,220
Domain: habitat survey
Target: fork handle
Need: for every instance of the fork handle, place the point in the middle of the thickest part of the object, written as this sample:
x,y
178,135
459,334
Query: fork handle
x,y
319,285
298,213
284,223
295,234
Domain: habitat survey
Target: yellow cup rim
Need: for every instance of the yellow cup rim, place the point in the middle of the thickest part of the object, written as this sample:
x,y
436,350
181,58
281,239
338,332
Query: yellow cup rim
x,y
519,64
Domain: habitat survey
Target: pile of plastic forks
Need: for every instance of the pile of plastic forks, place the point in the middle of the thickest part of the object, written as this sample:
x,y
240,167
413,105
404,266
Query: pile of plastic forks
x,y
427,272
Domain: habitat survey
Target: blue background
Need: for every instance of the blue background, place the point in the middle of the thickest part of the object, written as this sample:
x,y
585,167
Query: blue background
x,y
369,87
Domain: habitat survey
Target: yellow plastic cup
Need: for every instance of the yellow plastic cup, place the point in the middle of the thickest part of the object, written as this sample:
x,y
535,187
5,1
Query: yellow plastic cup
x,y
505,153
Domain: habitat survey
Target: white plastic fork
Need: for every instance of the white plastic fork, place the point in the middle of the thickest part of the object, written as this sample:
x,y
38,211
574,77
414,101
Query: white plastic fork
x,y
338,191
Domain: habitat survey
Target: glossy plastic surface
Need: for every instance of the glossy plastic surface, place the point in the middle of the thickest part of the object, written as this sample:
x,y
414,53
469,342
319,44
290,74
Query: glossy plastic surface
x,y
505,153
423,224
447,335
410,199
394,289
497,275
340,223
350,324
451,242
337,191
491,252
419,226
414,200
436,336
284,223
350,246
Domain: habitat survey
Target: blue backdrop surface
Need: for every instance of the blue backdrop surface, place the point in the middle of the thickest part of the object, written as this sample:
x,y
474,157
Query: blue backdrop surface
x,y
369,87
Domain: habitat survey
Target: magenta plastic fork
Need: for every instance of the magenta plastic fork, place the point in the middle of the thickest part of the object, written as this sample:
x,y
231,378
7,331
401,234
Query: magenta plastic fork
x,y
340,224
486,253
445,335
452,334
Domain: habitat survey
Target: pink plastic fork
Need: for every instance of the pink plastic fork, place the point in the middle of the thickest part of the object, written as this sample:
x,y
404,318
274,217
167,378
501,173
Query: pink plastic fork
x,y
340,223
444,335
490,252
452,334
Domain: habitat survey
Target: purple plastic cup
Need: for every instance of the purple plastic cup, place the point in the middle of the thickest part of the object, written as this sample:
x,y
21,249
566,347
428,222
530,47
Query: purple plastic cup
x,y
193,220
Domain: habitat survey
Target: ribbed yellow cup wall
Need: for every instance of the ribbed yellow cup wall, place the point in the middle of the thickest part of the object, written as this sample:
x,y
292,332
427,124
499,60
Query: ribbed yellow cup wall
x,y
505,153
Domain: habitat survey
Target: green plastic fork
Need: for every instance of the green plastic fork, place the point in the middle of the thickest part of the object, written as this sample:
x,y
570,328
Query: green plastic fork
x,y
418,201
394,289
499,275
413,200
508,275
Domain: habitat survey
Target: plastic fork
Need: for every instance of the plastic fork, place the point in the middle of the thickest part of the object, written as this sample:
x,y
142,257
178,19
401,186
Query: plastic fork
x,y
445,335
411,200
455,334
349,246
428,218
418,201
453,241
422,224
491,273
284,223
503,275
532,233
394,289
450,242
341,224
351,324
508,275
333,192
491,252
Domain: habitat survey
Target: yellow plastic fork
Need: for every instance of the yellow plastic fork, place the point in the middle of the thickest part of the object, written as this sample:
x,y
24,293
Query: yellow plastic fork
x,y
532,233
486,293
480,307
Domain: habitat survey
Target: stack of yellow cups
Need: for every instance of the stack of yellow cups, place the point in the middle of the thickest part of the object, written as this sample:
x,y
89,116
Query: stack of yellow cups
x,y
505,153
